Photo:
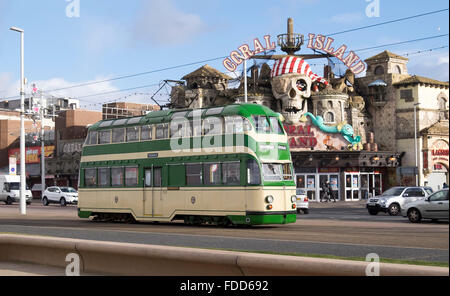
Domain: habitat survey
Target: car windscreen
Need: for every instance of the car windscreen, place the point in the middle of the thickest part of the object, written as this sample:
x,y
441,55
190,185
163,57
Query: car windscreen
x,y
429,191
68,190
16,186
301,192
394,191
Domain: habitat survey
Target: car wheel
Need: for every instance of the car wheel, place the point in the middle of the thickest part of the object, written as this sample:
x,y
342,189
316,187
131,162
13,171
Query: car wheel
x,y
414,215
373,212
305,211
45,201
62,202
394,209
9,201
298,211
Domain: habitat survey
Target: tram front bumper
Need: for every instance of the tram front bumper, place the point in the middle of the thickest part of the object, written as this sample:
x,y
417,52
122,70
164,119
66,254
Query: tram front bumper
x,y
259,218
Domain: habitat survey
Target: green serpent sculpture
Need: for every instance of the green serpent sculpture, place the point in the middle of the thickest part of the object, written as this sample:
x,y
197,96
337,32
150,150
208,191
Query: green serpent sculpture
x,y
346,130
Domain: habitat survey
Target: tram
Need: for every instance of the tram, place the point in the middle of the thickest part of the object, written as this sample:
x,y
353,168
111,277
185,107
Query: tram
x,y
227,165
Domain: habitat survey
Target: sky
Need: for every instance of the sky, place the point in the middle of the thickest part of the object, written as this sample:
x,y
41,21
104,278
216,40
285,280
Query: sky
x,y
73,42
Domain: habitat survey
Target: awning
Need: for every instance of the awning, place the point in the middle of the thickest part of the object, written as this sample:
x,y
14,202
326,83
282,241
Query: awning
x,y
378,82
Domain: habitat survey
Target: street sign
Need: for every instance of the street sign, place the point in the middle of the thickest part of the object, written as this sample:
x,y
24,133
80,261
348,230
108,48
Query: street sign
x,y
12,166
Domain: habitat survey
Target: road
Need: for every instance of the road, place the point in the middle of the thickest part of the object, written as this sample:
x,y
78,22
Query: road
x,y
338,231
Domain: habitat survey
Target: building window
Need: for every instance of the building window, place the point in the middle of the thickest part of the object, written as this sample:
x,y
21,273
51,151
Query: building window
x,y
407,95
329,117
379,70
397,70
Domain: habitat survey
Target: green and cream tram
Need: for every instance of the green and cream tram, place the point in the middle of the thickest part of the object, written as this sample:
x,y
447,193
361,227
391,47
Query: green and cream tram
x,y
219,165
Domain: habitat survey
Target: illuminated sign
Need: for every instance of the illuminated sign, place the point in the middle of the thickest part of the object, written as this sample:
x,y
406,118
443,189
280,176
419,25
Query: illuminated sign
x,y
324,43
244,52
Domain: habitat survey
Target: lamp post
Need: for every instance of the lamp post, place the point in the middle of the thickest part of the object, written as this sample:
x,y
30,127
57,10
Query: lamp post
x,y
416,170
23,209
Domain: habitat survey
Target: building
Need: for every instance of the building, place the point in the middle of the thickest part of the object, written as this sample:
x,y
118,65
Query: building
x,y
357,133
71,129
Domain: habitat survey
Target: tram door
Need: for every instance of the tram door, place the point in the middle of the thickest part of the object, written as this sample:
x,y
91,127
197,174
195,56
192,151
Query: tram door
x,y
153,193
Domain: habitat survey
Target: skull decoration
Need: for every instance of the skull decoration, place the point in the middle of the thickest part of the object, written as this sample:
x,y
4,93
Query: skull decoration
x,y
291,84
291,90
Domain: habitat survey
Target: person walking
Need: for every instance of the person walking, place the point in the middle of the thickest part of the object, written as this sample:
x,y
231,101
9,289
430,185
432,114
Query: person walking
x,y
325,192
330,192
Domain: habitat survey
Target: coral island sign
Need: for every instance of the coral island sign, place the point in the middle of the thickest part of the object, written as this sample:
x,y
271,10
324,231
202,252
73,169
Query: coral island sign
x,y
324,43
244,52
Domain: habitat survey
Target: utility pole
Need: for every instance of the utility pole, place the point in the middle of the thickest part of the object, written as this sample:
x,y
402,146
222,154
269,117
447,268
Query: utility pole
x,y
42,148
416,170
23,206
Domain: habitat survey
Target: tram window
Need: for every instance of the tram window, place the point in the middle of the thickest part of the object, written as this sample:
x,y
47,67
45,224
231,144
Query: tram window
x,y
146,132
212,173
253,172
131,176
90,177
276,126
194,174
132,134
179,128
261,124
93,138
157,177
196,127
234,124
162,131
148,178
287,172
231,172
118,135
272,172
104,177
104,137
117,176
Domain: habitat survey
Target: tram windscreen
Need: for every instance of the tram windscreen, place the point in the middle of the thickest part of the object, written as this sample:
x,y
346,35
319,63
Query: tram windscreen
x,y
277,172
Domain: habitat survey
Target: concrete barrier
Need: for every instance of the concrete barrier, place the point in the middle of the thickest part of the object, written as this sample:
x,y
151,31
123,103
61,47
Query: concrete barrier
x,y
112,258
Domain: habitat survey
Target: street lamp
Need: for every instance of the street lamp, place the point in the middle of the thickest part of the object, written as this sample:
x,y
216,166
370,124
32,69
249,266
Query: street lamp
x,y
416,170
23,209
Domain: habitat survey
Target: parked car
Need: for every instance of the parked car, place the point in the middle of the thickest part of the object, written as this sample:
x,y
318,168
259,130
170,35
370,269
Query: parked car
x,y
302,201
10,190
393,200
434,207
61,195
36,191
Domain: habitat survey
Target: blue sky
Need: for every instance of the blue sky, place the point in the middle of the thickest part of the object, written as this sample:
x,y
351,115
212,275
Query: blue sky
x,y
112,38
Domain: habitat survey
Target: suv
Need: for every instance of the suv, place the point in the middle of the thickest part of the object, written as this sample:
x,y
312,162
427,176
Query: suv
x,y
61,195
393,200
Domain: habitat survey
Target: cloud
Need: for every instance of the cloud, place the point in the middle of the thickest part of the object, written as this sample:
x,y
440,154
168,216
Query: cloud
x,y
164,24
99,35
347,18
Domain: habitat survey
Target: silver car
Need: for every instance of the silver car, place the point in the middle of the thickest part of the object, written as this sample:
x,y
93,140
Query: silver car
x,y
435,207
394,199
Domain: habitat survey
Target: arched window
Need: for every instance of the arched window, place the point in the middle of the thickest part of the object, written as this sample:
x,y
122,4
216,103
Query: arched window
x,y
442,103
329,117
397,70
379,70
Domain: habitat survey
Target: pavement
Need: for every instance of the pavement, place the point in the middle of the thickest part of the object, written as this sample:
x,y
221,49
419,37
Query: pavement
x,y
338,204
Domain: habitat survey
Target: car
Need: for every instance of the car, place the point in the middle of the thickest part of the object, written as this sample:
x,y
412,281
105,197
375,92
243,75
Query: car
x,y
61,195
394,199
435,207
302,201
10,190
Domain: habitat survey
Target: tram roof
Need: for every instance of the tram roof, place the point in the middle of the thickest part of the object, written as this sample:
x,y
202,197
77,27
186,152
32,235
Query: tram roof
x,y
162,116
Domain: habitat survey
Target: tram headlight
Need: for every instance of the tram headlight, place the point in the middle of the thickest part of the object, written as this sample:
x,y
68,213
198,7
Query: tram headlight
x,y
269,199
294,198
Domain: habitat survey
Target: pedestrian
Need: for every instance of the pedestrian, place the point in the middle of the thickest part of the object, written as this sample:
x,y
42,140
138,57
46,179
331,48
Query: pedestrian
x,y
444,185
325,192
330,192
